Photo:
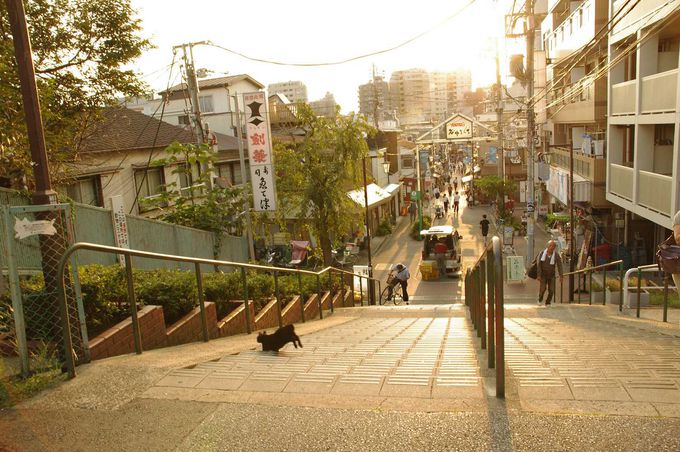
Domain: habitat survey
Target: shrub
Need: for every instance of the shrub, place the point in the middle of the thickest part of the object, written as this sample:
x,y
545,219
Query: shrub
x,y
385,228
554,218
174,290
104,293
415,229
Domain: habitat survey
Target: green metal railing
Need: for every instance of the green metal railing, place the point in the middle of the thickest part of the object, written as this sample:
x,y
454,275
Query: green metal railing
x,y
588,271
638,270
128,254
484,298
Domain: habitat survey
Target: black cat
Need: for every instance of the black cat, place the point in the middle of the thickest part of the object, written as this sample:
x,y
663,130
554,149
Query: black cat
x,y
273,342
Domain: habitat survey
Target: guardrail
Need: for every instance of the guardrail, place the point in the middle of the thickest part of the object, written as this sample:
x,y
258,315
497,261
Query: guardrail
x,y
128,254
484,285
639,270
589,271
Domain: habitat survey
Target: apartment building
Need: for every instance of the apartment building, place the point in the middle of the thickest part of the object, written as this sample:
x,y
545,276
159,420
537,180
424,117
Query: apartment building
x,y
294,90
643,164
375,101
324,106
572,115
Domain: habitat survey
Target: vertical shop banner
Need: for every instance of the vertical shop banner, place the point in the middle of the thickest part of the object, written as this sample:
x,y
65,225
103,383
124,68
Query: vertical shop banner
x,y
260,152
120,227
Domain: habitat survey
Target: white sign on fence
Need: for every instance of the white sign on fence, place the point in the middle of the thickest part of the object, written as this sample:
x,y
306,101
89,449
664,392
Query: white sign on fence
x,y
515,268
25,228
260,152
120,227
363,271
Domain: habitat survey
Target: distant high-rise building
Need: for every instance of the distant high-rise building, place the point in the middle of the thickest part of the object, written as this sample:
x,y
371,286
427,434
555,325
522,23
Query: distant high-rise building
x,y
324,106
295,91
374,100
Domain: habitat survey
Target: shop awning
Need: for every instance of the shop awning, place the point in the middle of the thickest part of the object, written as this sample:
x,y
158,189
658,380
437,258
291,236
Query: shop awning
x,y
376,195
466,179
392,188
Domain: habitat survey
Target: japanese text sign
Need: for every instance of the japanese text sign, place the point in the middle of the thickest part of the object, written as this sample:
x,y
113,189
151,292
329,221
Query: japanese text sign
x,y
260,152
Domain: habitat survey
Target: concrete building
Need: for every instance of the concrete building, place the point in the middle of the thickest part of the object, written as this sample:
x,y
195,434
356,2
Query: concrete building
x,y
217,108
411,95
375,101
643,158
324,106
295,91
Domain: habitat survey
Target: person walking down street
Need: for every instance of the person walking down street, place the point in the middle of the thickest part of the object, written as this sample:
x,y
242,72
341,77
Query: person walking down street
x,y
445,200
435,192
413,210
484,224
401,276
456,203
450,189
455,184
549,265
440,250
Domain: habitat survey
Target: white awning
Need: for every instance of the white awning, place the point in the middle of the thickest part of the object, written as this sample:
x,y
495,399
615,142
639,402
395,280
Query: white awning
x,y
376,195
392,188
466,179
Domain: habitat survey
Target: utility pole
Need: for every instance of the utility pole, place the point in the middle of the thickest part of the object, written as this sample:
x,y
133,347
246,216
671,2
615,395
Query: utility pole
x,y
531,207
499,118
375,101
371,285
192,86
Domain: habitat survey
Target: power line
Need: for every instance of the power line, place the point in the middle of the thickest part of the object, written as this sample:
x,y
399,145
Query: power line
x,y
355,58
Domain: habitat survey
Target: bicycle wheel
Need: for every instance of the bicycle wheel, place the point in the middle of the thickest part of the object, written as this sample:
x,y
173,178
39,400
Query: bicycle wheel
x,y
384,296
397,296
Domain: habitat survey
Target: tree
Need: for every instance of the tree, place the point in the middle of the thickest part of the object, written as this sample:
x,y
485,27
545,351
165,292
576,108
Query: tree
x,y
496,188
80,48
314,175
216,209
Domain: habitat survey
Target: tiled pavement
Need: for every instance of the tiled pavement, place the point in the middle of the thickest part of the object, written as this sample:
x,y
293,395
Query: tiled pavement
x,y
565,358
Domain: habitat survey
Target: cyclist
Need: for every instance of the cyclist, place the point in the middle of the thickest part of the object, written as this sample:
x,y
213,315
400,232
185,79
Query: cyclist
x,y
401,276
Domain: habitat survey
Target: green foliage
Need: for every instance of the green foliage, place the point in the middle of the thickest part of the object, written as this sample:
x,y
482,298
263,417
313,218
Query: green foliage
x,y
415,228
385,228
496,188
213,209
46,373
313,176
554,218
104,293
175,290
656,298
81,50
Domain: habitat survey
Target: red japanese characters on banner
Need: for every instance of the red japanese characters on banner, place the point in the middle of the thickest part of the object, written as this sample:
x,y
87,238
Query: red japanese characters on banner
x,y
260,152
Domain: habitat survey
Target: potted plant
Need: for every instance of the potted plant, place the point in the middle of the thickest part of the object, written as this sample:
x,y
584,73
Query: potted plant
x,y
612,291
597,293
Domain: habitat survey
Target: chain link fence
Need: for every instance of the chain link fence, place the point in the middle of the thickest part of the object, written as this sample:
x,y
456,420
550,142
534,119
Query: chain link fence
x,y
34,239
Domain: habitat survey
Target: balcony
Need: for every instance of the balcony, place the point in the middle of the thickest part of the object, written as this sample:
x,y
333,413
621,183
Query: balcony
x,y
589,167
621,181
654,192
576,107
659,92
575,31
623,98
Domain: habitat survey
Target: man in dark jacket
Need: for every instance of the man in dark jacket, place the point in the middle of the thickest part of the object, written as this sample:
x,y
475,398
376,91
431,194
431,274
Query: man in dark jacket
x,y
549,265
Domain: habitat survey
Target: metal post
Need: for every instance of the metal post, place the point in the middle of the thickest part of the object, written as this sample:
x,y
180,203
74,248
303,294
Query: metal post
x,y
244,178
279,307
561,290
665,297
482,303
318,291
500,328
361,291
133,304
621,287
330,289
342,287
420,193
590,287
302,297
201,303
604,286
499,118
371,294
490,283
244,279
639,289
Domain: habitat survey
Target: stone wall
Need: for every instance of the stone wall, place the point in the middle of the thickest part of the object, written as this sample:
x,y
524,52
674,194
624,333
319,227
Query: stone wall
x,y
292,312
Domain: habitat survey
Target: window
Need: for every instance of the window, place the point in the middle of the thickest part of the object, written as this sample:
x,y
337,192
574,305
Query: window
x,y
238,180
206,104
183,120
231,171
86,191
149,183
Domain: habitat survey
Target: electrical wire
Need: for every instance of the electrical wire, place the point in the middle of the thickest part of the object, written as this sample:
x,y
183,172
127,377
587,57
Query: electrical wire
x,y
354,58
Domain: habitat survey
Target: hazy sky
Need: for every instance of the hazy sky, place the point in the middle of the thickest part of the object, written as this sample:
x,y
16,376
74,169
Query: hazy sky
x,y
317,31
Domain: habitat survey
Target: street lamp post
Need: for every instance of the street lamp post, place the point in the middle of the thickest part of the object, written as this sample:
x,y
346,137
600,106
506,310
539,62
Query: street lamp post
x,y
371,286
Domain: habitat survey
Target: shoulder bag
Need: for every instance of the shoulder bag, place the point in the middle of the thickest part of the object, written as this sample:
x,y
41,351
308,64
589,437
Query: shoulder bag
x,y
668,256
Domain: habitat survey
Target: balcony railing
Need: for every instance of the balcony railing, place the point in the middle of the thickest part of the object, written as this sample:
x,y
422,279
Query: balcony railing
x,y
659,92
621,181
623,98
588,166
654,191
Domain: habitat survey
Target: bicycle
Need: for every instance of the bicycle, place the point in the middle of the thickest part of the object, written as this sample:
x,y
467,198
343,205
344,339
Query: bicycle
x,y
396,296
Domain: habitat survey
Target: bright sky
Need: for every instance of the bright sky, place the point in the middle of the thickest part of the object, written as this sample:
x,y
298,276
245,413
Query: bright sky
x,y
313,31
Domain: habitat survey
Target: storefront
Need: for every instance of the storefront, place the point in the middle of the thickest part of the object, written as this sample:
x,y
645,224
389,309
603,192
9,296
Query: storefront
x,y
383,203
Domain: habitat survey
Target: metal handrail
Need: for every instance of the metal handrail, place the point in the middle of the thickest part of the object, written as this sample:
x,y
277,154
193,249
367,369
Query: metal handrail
x,y
639,269
590,271
128,253
484,285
